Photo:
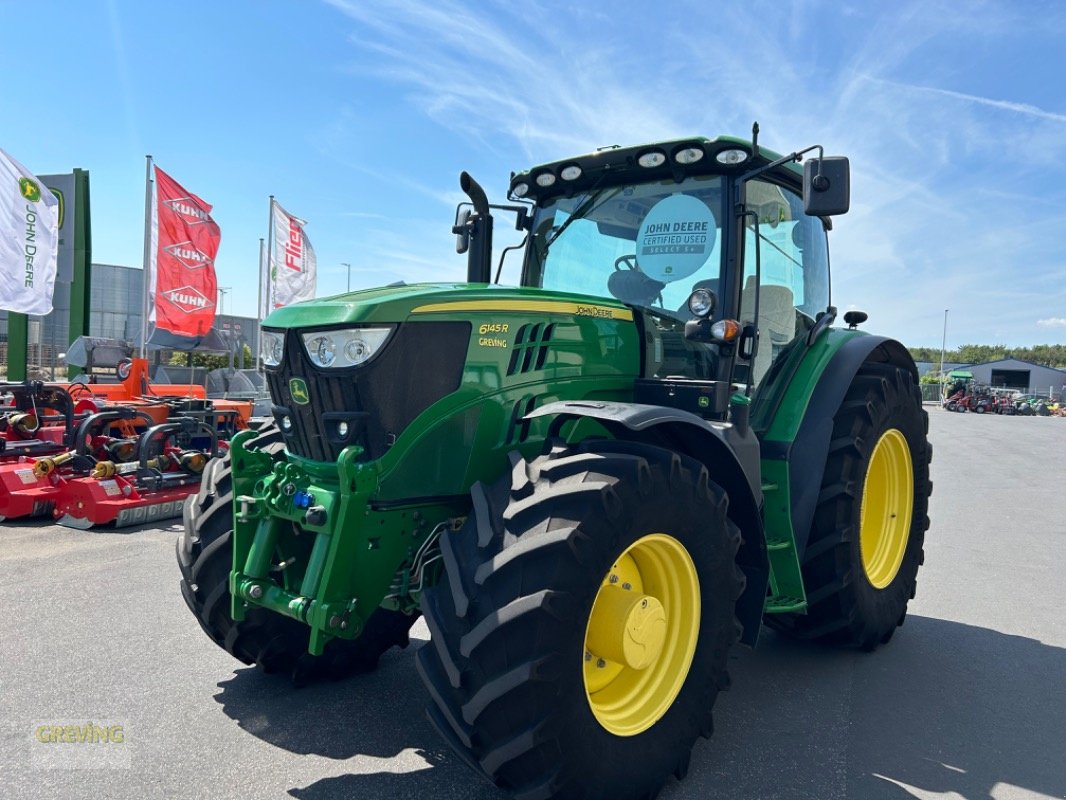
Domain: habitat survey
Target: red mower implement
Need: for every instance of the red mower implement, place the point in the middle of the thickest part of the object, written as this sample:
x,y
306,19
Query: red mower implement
x,y
32,486
36,419
170,459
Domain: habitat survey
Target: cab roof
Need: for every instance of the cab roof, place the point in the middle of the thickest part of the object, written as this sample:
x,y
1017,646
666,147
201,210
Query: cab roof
x,y
615,164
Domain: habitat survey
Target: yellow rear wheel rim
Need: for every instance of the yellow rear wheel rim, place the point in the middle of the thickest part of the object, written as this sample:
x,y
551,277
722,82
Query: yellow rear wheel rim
x,y
887,503
641,634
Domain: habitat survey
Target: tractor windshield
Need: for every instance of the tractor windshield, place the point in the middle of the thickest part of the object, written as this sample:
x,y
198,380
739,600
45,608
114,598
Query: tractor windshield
x,y
647,244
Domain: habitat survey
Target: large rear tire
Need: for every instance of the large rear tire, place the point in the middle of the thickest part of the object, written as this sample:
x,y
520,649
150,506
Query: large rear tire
x,y
861,562
581,627
271,641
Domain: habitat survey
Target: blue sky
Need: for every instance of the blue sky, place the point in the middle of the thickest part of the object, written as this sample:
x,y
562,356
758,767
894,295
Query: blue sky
x,y
359,115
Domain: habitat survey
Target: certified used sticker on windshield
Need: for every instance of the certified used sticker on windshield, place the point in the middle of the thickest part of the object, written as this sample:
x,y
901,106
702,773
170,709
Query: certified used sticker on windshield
x,y
676,238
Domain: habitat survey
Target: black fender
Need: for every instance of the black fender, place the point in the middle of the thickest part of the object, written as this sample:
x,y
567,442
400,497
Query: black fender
x,y
807,453
732,460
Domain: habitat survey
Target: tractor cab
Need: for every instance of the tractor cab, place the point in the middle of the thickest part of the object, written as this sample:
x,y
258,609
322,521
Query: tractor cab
x,y
718,246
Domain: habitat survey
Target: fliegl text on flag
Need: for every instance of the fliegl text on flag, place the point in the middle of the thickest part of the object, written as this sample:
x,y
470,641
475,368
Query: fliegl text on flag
x,y
185,241
293,265
29,240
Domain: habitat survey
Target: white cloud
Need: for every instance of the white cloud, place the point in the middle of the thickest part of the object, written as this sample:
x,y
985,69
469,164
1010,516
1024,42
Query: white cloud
x,y
1004,105
930,226
1052,322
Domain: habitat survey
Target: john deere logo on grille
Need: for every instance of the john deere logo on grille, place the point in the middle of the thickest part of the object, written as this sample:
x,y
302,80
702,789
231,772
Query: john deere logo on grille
x,y
29,190
298,390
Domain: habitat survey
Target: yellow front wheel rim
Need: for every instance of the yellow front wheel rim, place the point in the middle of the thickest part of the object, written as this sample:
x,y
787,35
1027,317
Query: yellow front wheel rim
x,y
887,503
641,634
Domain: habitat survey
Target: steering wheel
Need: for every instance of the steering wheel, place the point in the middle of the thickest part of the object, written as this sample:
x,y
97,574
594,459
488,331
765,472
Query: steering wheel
x,y
631,285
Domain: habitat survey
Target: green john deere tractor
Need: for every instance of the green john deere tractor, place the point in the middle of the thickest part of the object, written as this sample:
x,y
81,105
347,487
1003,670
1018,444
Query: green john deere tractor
x,y
591,485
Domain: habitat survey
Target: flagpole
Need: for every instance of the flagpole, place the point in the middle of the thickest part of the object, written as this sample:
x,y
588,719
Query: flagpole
x,y
270,255
147,263
259,307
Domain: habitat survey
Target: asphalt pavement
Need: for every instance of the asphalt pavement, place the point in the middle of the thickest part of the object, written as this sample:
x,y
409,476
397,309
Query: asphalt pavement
x,y
967,701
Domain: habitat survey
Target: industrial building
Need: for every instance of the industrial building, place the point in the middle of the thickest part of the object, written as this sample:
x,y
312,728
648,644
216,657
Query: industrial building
x,y
1024,376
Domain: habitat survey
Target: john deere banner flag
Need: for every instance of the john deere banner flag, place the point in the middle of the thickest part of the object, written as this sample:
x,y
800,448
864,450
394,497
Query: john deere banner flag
x,y
185,241
29,240
293,264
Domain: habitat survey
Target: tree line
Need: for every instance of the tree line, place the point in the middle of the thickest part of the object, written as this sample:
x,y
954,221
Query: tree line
x,y
1047,355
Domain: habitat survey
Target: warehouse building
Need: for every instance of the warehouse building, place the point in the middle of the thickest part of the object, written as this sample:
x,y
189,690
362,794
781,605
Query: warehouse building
x,y
1024,376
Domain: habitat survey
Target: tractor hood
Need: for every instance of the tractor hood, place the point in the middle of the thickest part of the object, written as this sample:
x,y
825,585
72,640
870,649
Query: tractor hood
x,y
392,304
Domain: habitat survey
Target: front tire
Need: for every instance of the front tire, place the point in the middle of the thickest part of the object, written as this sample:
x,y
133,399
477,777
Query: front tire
x,y
273,642
861,562
605,545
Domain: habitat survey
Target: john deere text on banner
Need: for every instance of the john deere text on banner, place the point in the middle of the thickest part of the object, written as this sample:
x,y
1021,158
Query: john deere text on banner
x,y
29,240
182,274
293,264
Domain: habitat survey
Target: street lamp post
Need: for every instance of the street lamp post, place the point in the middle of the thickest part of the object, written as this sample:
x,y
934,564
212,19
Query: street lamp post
x,y
228,334
349,266
943,343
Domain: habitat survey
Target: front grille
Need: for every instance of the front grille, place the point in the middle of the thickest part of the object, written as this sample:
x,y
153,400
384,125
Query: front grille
x,y
421,363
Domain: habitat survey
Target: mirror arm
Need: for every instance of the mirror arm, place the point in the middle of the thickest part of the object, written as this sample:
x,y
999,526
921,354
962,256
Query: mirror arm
x,y
503,255
797,156
523,221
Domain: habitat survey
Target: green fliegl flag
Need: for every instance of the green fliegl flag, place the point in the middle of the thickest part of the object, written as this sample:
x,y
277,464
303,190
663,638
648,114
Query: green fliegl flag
x,y
29,240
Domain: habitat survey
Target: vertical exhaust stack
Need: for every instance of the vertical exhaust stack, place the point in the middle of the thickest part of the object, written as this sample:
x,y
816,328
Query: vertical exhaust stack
x,y
477,230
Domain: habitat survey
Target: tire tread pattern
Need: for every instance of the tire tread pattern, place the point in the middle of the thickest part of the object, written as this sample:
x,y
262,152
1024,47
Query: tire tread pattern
x,y
843,607
519,574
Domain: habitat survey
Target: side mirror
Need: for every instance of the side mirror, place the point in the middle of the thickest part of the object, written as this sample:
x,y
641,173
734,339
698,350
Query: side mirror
x,y
462,231
826,186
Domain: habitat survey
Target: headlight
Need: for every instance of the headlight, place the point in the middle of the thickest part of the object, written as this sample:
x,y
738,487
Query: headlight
x,y
273,347
322,350
701,302
690,155
732,157
344,348
653,158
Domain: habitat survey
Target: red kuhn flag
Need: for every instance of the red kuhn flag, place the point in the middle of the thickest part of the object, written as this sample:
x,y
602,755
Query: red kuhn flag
x,y
185,240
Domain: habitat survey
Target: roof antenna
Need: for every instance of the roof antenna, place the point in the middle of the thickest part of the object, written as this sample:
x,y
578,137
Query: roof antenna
x,y
755,140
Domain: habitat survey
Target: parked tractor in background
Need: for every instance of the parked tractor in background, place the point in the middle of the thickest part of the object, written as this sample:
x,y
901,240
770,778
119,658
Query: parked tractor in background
x,y
591,485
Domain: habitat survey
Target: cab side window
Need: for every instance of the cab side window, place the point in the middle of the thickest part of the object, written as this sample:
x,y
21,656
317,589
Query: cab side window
x,y
794,281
